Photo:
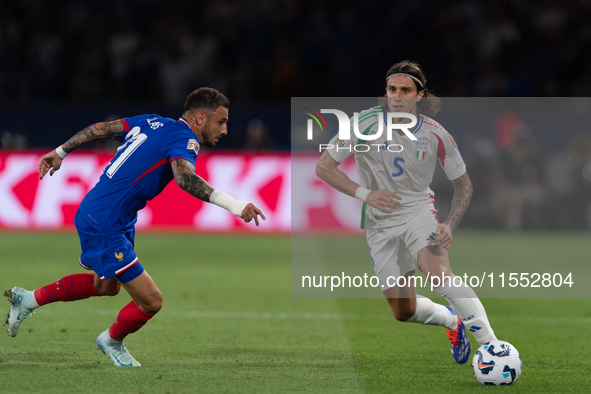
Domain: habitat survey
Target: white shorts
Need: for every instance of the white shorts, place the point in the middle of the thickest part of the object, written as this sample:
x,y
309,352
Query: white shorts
x,y
394,249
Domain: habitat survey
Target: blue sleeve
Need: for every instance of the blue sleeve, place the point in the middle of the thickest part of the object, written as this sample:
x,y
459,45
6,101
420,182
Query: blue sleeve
x,y
181,145
129,123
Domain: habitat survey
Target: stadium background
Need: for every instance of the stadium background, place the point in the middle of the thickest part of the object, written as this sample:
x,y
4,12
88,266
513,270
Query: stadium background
x,y
69,64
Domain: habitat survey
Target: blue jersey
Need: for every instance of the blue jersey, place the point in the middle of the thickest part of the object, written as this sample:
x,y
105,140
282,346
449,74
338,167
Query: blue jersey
x,y
139,171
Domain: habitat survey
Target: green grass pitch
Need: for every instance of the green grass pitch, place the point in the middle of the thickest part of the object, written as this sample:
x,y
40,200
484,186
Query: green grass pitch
x,y
229,324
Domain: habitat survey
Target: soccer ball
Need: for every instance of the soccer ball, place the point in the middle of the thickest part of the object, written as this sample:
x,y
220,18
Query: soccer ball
x,y
497,363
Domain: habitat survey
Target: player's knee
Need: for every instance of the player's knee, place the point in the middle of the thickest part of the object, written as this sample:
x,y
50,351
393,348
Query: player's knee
x,y
111,290
154,304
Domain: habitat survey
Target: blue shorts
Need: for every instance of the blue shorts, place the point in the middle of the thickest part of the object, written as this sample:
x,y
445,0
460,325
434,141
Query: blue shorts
x,y
108,254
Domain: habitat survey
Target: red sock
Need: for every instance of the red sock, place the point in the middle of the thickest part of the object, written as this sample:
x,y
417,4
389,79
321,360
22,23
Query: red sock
x,y
130,319
69,288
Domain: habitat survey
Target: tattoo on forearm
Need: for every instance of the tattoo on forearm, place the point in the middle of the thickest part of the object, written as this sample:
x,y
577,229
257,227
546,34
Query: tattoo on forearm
x,y
185,177
111,130
461,200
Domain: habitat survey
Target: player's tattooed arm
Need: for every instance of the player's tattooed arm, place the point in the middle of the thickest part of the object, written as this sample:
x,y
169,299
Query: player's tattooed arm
x,y
460,201
52,161
112,130
185,177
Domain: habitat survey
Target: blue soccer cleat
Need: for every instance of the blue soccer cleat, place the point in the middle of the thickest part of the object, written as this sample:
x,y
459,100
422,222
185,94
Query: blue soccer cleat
x,y
116,351
20,307
460,345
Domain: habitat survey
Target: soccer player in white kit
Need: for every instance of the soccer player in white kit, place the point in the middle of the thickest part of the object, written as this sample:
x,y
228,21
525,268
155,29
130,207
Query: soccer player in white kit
x,y
398,213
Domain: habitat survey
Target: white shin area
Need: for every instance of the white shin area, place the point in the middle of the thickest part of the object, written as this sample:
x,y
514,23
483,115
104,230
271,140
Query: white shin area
x,y
468,307
429,312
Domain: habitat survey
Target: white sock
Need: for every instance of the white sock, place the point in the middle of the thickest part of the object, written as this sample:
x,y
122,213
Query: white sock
x,y
33,304
468,307
110,341
429,312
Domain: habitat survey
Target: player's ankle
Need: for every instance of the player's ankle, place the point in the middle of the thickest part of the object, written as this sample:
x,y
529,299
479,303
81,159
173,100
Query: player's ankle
x,y
110,341
453,326
33,304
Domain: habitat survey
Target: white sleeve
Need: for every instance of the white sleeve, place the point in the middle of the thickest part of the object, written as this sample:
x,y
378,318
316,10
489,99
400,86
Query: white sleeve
x,y
339,150
449,156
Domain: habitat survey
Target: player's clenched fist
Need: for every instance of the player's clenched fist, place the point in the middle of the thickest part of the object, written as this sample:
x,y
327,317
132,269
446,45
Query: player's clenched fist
x,y
251,212
443,235
384,200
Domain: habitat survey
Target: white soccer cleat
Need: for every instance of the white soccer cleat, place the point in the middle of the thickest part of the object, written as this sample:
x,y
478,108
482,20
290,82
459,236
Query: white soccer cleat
x,y
116,351
21,306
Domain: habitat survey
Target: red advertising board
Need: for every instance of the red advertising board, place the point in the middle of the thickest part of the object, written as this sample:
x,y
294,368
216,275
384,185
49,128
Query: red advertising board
x,y
284,186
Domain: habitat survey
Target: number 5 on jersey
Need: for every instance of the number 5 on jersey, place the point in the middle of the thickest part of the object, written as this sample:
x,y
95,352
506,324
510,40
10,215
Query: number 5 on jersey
x,y
134,140
398,166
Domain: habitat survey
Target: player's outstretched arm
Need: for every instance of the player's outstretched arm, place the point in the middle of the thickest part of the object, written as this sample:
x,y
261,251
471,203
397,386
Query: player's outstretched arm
x,y
459,206
53,160
327,170
186,178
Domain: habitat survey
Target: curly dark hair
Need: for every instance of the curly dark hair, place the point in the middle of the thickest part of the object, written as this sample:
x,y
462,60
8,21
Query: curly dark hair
x,y
432,104
206,98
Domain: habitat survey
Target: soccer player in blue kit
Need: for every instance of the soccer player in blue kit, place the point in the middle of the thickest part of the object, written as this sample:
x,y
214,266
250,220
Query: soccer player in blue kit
x,y
154,151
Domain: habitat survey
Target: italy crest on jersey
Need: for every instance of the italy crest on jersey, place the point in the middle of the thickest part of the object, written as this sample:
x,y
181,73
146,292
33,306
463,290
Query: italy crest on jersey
x,y
421,150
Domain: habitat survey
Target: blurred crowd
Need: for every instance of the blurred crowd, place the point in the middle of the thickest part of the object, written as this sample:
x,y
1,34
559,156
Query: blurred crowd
x,y
265,51
519,184
262,52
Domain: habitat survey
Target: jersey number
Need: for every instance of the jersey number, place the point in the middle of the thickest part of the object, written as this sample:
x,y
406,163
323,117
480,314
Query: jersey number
x,y
400,170
134,140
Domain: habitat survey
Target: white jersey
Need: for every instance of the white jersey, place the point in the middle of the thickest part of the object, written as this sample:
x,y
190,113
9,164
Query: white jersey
x,y
409,172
